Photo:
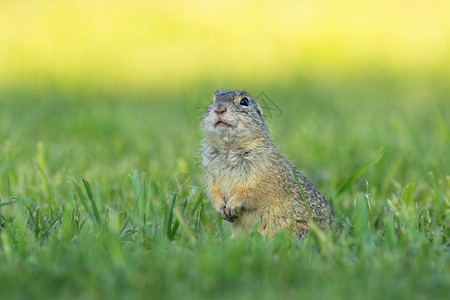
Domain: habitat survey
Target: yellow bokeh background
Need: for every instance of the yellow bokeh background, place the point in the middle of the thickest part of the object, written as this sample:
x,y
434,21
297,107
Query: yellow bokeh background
x,y
164,44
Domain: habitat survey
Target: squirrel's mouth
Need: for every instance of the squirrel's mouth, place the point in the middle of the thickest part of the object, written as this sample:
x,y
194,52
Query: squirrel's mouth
x,y
222,124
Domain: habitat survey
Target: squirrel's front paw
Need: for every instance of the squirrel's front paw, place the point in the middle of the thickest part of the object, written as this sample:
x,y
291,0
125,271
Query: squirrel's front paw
x,y
223,215
232,210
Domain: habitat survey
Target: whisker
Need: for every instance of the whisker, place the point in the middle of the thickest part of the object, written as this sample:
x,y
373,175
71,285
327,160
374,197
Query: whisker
x,y
197,123
196,116
197,110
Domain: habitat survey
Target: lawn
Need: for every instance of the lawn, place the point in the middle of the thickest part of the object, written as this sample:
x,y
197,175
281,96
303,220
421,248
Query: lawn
x,y
101,195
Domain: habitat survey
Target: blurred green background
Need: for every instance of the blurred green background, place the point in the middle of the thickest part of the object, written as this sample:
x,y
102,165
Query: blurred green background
x,y
123,46
112,91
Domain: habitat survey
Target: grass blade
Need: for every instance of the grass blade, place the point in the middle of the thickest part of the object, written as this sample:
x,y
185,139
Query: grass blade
x,y
83,201
303,194
362,225
4,203
169,226
182,219
359,173
88,189
440,195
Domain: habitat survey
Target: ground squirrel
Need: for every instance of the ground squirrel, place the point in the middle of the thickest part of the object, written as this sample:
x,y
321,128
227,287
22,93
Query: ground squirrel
x,y
247,179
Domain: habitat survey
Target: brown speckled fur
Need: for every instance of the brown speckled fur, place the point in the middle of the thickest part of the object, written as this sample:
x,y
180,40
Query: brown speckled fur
x,y
246,177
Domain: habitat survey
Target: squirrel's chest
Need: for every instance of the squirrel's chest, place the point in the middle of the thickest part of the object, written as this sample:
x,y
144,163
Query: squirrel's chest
x,y
227,170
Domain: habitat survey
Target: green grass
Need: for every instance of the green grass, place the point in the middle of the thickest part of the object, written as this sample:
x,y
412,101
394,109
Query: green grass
x,y
102,198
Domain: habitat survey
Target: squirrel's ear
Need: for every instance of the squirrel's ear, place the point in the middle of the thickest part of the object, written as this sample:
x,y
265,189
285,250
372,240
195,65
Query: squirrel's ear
x,y
258,108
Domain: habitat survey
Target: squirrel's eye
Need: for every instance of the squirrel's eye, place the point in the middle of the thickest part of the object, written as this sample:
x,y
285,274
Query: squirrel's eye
x,y
244,101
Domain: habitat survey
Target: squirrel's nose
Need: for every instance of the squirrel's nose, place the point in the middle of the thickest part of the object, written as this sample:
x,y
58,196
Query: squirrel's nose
x,y
220,110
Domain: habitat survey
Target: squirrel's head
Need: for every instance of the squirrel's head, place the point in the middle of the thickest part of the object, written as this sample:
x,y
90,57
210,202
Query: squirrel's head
x,y
233,116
